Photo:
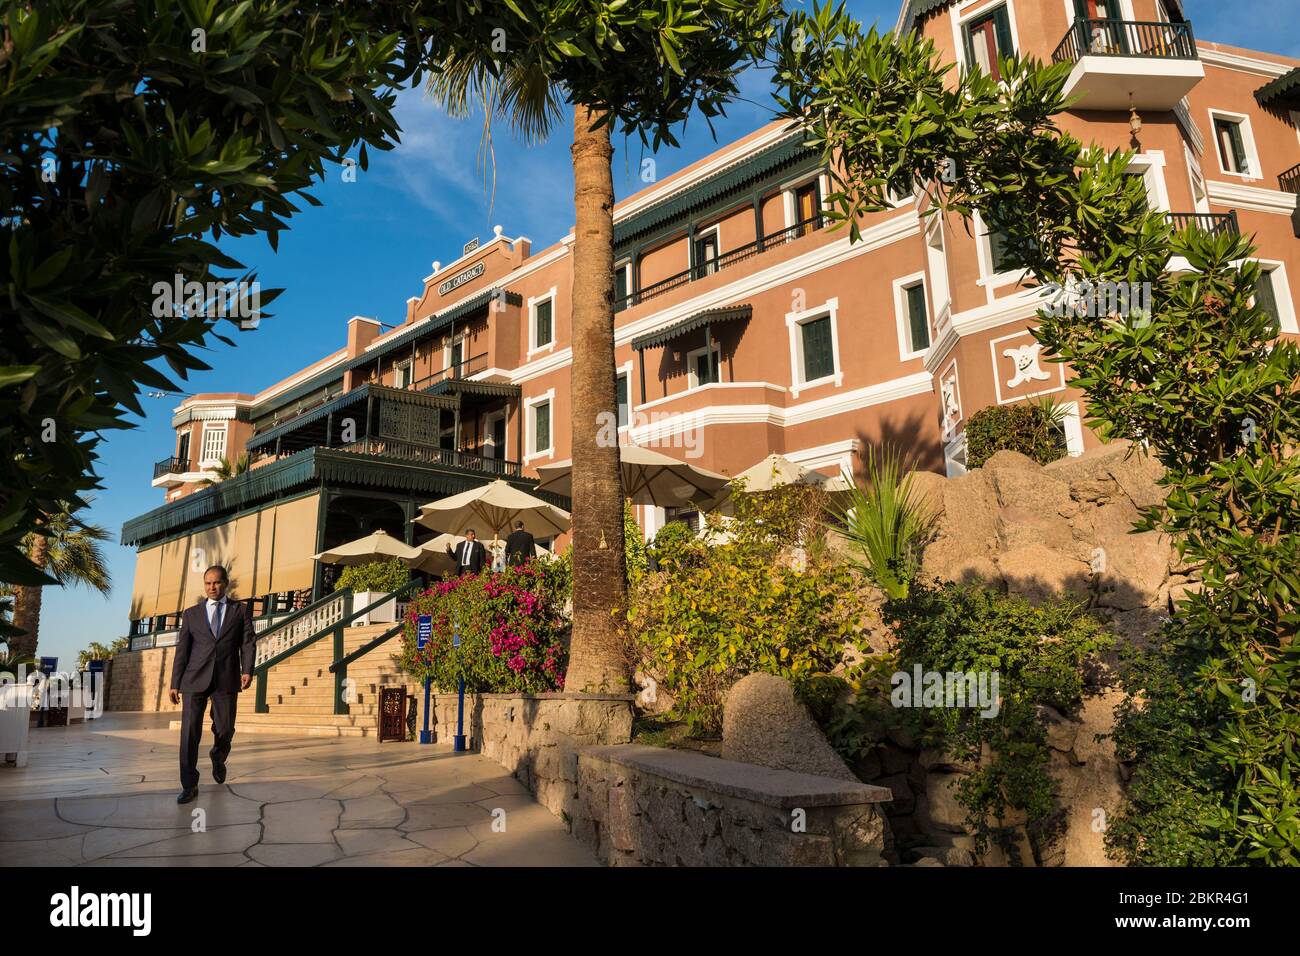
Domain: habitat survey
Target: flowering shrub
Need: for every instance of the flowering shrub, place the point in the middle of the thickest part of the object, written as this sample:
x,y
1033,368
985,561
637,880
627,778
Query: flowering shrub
x,y
512,631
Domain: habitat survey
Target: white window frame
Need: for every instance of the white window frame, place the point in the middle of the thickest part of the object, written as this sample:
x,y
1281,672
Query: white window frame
x,y
906,351
794,322
1126,12
530,426
954,456
406,366
950,427
1281,292
790,187
533,303
1152,165
989,279
937,263
692,377
624,266
960,13
213,429
1195,173
716,229
1256,169
625,370
451,342
490,441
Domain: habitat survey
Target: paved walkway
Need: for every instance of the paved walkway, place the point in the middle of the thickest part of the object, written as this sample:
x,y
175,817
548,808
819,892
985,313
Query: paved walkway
x,y
104,794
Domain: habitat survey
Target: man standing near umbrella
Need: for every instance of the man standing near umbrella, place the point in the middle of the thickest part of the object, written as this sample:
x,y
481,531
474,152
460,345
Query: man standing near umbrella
x,y
520,546
470,554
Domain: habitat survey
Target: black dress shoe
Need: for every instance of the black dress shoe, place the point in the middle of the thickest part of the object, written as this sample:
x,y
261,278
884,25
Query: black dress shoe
x,y
219,774
187,795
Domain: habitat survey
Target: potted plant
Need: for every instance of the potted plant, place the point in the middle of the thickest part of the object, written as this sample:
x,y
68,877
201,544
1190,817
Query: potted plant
x,y
369,583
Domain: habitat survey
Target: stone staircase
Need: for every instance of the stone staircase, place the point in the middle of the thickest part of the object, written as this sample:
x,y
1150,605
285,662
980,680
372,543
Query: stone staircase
x,y
300,691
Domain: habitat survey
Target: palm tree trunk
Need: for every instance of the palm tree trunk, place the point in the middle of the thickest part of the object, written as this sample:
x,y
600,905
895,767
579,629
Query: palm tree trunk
x,y
27,603
596,658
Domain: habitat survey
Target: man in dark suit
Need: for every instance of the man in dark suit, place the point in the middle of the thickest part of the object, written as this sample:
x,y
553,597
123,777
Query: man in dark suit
x,y
470,554
214,661
520,546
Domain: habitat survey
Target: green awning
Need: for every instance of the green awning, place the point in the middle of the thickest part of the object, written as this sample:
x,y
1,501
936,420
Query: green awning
x,y
438,322
1285,87
268,437
729,313
469,386
327,467
781,153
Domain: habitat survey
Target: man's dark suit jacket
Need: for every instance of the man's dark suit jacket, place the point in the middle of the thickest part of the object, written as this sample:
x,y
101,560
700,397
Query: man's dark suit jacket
x,y
214,663
520,546
477,557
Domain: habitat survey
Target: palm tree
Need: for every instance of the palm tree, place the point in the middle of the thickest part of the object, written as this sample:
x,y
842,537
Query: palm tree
x,y
527,99
69,550
225,469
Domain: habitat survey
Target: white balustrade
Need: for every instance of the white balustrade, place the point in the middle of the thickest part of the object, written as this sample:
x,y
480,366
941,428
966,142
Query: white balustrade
x,y
280,639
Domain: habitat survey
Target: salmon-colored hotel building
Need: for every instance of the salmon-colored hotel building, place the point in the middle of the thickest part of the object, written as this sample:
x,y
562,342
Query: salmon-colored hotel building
x,y
744,325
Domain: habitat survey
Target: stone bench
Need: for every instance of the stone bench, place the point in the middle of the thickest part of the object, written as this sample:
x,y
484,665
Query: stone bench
x,y
658,807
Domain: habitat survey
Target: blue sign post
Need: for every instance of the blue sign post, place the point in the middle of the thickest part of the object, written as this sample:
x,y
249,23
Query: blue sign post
x,y
47,668
423,632
459,740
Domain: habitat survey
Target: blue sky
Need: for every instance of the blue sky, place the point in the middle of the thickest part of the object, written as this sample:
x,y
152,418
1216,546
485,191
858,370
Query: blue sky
x,y
366,250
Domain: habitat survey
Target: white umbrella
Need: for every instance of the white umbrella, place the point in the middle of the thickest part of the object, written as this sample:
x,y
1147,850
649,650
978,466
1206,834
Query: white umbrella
x,y
494,507
776,470
649,478
379,545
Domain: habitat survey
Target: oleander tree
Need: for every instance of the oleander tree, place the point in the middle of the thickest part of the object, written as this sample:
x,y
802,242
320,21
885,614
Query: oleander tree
x,y
1211,722
643,68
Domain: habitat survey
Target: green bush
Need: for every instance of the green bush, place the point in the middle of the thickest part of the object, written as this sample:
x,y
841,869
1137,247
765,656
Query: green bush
x,y
886,525
634,547
713,614
381,577
1033,429
1041,655
512,631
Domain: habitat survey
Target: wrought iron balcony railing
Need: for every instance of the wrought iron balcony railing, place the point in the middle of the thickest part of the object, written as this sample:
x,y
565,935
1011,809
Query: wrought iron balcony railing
x,y
171,466
433,455
464,369
1289,181
722,261
1171,41
1215,223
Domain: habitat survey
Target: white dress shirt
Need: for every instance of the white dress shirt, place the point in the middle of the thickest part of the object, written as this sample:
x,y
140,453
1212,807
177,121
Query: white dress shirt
x,y
212,608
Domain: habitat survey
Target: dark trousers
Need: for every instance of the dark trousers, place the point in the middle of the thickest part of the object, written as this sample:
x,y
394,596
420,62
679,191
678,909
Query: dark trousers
x,y
224,704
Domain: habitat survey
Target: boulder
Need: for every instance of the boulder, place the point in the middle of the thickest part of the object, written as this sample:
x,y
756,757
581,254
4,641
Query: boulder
x,y
763,723
1038,573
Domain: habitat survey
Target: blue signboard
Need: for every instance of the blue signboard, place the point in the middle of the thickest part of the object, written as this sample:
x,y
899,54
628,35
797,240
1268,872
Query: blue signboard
x,y
97,667
49,665
423,630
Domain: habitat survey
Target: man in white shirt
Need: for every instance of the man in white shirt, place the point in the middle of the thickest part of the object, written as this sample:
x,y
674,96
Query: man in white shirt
x,y
470,554
215,652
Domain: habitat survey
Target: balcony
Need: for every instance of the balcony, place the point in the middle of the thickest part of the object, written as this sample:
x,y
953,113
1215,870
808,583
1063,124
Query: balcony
x,y
1117,63
1289,181
1215,223
722,261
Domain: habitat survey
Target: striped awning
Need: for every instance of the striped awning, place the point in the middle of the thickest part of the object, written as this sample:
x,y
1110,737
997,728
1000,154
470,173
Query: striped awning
x,y
713,316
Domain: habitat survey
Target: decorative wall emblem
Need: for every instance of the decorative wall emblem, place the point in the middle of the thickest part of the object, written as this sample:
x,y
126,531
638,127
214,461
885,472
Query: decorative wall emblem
x,y
1025,359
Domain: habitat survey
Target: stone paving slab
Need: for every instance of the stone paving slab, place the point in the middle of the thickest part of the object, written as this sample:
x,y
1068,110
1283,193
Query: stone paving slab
x,y
104,794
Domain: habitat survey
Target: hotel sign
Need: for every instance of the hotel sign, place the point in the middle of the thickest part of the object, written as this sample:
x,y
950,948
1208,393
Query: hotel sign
x,y
456,281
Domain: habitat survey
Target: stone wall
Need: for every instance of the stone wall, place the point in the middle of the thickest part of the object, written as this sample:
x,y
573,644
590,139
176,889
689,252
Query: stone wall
x,y
657,807
534,736
139,680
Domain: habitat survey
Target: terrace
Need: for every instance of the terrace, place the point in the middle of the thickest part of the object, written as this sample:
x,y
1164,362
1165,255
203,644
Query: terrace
x,y
1118,64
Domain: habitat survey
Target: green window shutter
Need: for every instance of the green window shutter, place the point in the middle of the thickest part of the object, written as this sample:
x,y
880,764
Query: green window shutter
x,y
543,334
1002,30
620,283
542,427
818,354
1243,164
620,393
1266,298
918,322
970,47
